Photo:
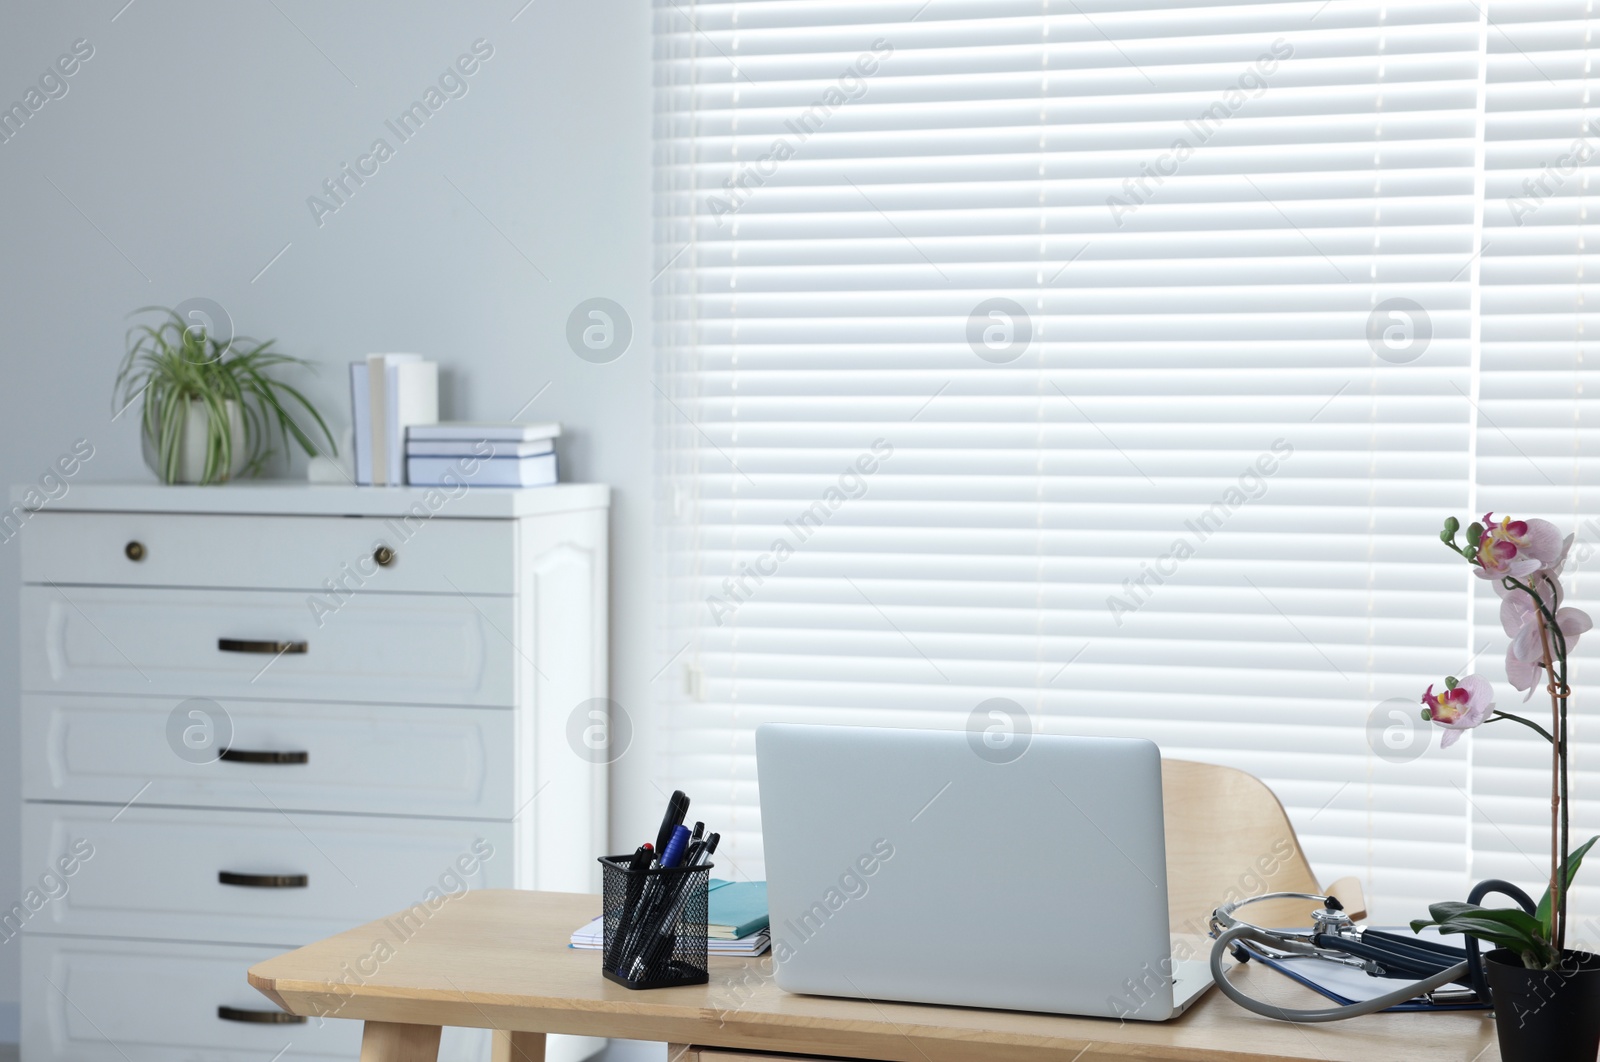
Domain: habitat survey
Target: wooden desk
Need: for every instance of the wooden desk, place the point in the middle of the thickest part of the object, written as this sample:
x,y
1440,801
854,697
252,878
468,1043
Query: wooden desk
x,y
499,960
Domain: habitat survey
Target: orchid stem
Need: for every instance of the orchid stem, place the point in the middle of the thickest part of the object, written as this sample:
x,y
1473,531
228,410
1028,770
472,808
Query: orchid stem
x,y
1557,686
1529,723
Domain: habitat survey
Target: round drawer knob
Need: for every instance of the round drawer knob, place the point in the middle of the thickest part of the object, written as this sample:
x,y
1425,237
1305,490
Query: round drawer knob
x,y
384,556
134,551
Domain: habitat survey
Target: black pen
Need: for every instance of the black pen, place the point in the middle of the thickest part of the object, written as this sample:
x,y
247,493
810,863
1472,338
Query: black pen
x,y
636,880
658,944
710,847
651,899
691,857
660,890
670,887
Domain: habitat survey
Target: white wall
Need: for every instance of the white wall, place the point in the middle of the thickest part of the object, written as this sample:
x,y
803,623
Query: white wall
x,y
188,145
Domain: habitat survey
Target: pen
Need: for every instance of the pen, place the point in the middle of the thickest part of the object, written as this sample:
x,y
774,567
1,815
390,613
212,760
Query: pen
x,y
661,891
658,893
692,857
677,858
664,890
676,846
710,847
636,882
659,942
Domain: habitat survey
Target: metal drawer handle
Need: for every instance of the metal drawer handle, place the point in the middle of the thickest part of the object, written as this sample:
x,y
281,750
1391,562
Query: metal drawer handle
x,y
263,881
384,556
260,1017
251,756
243,645
134,550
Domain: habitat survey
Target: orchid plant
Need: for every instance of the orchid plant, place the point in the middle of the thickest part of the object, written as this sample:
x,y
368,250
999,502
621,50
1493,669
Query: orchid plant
x,y
1522,560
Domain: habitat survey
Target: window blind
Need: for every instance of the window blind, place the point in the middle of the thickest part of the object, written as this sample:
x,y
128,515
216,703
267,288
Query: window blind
x,y
1112,360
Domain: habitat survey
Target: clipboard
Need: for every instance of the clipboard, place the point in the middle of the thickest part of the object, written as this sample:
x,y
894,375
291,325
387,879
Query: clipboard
x,y
1345,985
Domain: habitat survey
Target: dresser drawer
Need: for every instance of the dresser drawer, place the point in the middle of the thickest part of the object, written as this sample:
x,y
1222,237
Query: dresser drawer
x,y
132,1001
385,759
154,872
381,648
270,552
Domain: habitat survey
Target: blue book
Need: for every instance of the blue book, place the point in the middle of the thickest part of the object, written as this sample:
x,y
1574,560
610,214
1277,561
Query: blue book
x,y
736,909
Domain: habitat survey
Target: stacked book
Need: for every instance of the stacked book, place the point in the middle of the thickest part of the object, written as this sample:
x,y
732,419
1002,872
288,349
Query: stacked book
x,y
482,453
736,921
388,394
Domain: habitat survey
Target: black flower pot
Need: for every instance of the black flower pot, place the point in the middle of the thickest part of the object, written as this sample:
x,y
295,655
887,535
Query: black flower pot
x,y
1546,1015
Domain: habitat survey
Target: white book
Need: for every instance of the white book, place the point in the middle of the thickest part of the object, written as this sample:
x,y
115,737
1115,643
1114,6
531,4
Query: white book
x,y
537,471
477,448
361,422
494,431
413,394
377,389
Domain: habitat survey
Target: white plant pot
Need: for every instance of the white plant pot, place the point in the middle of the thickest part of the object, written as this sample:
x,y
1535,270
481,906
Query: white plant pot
x,y
192,445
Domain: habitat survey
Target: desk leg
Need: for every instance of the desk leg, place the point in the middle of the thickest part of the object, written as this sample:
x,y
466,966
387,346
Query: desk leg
x,y
383,1041
518,1046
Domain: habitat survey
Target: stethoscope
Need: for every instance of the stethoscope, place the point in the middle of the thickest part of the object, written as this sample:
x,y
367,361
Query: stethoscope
x,y
1334,937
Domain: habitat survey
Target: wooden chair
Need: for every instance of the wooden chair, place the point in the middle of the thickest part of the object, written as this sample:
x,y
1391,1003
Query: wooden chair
x,y
1228,839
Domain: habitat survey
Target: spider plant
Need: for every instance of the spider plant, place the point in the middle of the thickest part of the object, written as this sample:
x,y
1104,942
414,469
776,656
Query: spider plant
x,y
175,365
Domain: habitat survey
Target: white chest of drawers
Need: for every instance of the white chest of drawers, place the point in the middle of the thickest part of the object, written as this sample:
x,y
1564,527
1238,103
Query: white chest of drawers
x,y
256,715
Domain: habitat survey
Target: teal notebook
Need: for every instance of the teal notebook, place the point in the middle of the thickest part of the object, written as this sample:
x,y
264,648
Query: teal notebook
x,y
736,909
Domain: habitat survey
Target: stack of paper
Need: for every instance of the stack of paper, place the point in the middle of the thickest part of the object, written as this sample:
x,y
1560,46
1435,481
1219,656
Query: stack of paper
x,y
592,938
736,921
388,394
485,454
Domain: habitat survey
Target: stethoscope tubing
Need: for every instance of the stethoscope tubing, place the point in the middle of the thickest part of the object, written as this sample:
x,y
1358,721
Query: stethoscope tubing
x,y
1244,931
1426,960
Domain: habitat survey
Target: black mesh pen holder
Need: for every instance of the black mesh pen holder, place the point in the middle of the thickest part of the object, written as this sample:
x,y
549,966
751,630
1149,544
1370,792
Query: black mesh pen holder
x,y
655,924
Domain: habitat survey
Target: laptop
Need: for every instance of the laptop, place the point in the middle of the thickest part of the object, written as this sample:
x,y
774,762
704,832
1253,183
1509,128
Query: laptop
x,y
929,866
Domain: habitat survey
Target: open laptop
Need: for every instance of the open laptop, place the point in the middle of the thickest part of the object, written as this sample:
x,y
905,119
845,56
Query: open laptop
x,y
928,866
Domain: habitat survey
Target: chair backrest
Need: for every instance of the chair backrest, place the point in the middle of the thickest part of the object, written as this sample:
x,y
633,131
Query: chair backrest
x,y
1228,838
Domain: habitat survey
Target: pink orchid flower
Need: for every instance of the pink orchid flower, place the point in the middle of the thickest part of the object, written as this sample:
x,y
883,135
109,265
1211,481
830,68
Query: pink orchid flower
x,y
1520,619
1517,548
1460,709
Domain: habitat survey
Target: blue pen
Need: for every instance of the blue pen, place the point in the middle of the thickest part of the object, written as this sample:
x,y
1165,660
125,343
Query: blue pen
x,y
675,847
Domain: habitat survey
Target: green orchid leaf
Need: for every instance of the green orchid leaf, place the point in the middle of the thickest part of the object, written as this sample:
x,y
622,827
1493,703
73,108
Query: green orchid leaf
x,y
1496,935
1504,927
1499,935
1511,918
1442,912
